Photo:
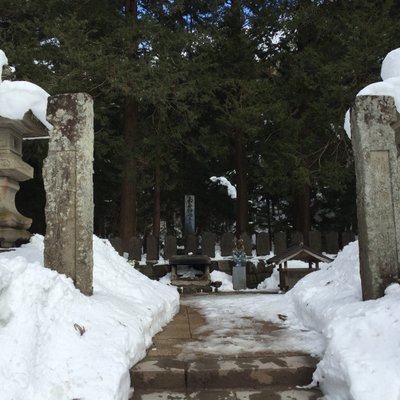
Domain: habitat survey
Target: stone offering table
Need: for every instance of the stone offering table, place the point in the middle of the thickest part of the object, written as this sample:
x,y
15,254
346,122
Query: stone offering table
x,y
13,225
196,262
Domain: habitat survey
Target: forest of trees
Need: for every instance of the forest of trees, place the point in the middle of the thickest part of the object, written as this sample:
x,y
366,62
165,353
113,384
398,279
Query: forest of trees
x,y
255,91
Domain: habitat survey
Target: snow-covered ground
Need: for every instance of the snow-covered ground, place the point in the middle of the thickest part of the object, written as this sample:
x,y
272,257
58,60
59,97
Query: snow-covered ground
x,y
59,344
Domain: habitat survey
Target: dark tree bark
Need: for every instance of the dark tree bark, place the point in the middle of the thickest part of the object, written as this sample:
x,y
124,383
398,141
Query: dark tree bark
x,y
128,218
157,200
242,208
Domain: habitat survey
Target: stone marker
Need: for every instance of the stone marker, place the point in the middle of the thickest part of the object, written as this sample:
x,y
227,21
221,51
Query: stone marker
x,y
68,180
135,248
262,244
191,244
239,278
227,244
315,241
347,237
376,144
170,247
279,242
332,242
208,240
116,242
152,248
13,225
296,238
248,248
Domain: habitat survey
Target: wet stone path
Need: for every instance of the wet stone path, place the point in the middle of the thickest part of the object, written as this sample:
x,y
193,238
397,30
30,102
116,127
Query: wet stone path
x,y
213,349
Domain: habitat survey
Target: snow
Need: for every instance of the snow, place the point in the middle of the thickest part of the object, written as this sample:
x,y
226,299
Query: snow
x,y
44,355
221,180
362,353
390,86
17,98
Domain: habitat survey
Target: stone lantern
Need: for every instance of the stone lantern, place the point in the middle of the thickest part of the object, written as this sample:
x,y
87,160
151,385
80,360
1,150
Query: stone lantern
x,y
13,225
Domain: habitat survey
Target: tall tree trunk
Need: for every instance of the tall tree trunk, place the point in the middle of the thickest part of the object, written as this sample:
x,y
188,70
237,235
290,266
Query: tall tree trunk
x,y
128,218
242,209
127,227
157,200
302,213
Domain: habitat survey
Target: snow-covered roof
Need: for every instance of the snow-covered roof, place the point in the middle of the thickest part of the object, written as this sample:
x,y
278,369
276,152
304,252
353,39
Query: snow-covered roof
x,y
19,97
299,252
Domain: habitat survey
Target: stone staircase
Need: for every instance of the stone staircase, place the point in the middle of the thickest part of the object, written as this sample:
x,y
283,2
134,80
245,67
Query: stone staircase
x,y
242,378
174,371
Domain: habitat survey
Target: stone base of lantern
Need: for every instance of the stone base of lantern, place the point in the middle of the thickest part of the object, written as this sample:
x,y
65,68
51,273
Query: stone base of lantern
x,y
10,236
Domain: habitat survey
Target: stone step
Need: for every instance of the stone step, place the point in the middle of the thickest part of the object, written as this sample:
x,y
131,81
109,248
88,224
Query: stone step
x,y
217,373
278,393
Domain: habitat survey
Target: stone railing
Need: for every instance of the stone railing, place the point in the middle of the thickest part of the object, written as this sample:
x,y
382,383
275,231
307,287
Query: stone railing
x,y
260,244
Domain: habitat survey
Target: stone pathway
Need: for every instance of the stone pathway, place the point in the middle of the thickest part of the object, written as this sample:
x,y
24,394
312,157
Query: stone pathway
x,y
193,358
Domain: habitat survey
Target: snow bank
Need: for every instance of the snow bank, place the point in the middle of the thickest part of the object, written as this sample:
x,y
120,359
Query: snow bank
x,y
390,73
42,316
17,98
362,338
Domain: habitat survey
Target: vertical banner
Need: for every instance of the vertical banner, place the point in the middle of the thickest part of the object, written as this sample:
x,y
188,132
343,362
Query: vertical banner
x,y
189,214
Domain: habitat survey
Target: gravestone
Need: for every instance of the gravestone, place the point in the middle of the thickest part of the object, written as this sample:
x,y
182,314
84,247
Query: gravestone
x,y
315,241
247,244
170,247
262,244
135,248
296,238
279,242
347,237
376,144
227,244
13,225
116,242
191,244
332,242
68,180
189,214
208,240
151,248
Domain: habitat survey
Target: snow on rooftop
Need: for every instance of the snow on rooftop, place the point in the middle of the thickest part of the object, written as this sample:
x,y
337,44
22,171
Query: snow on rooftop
x,y
17,98
390,86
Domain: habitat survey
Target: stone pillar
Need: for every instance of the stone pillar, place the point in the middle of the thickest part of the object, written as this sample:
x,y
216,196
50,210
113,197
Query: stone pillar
x,y
191,244
280,242
68,180
376,143
170,247
315,241
152,248
332,242
227,244
135,248
208,240
263,244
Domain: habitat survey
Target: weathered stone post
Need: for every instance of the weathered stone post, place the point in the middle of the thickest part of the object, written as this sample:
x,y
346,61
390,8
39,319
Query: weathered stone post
x,y
67,175
376,144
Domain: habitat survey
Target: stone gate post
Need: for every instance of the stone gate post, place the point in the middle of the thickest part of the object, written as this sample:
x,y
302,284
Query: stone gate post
x,y
375,137
67,175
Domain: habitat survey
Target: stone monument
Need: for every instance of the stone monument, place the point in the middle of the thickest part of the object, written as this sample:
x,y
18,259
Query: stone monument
x,y
13,225
67,175
376,143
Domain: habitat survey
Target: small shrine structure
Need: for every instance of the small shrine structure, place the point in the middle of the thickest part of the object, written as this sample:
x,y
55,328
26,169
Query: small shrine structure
x,y
289,276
